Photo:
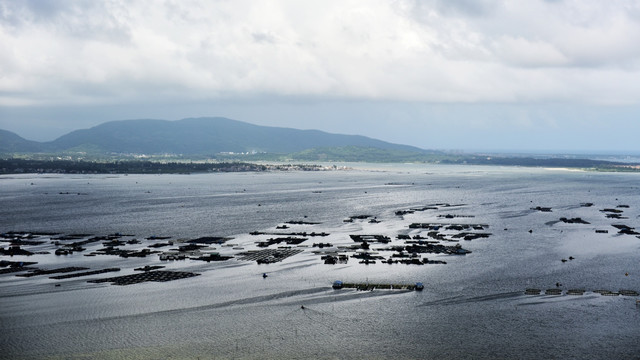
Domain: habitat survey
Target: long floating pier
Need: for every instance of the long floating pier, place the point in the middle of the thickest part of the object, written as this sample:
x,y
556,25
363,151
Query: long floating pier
x,y
556,291
369,286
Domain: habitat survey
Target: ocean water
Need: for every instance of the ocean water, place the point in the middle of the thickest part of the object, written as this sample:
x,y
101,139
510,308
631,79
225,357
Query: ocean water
x,y
472,307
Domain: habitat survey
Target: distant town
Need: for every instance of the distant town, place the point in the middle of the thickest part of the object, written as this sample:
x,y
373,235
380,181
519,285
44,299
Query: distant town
x,y
18,166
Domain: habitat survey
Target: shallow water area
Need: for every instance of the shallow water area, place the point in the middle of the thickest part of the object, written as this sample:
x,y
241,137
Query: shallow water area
x,y
472,306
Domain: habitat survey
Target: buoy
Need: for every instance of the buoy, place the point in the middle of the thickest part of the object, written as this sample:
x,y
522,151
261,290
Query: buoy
x,y
626,274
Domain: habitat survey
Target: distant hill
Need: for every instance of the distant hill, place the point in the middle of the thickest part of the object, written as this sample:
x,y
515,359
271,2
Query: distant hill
x,y
195,136
224,139
10,143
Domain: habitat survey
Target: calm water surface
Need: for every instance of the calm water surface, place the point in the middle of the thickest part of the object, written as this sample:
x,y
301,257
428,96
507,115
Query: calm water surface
x,y
472,307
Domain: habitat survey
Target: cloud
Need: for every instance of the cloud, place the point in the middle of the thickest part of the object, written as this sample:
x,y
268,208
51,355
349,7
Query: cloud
x,y
112,52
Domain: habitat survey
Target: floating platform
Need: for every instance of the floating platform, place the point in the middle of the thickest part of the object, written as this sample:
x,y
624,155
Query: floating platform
x,y
52,271
10,270
159,276
555,291
269,255
369,286
575,292
86,273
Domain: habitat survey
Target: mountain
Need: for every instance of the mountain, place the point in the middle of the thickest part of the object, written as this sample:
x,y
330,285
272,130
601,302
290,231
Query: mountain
x,y
11,142
197,136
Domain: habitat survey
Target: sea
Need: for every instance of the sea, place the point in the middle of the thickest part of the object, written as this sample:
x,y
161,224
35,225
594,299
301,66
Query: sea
x,y
474,306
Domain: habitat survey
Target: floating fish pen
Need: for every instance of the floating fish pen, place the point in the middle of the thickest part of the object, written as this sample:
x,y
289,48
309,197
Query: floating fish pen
x,y
298,222
452,216
88,241
15,269
600,291
448,226
149,268
268,256
575,292
52,271
190,247
171,256
210,240
158,237
71,237
159,245
370,238
369,286
615,211
357,217
12,264
157,276
15,250
322,245
612,293
114,242
576,220
335,259
471,236
25,242
86,273
212,257
628,293
288,240
582,291
303,233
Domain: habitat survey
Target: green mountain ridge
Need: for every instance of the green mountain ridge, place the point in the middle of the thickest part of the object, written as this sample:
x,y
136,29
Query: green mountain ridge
x,y
193,136
11,142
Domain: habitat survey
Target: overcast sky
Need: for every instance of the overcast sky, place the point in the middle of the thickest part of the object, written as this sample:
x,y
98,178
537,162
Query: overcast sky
x,y
437,74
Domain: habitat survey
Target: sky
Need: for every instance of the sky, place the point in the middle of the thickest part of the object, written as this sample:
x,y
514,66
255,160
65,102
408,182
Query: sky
x,y
470,75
